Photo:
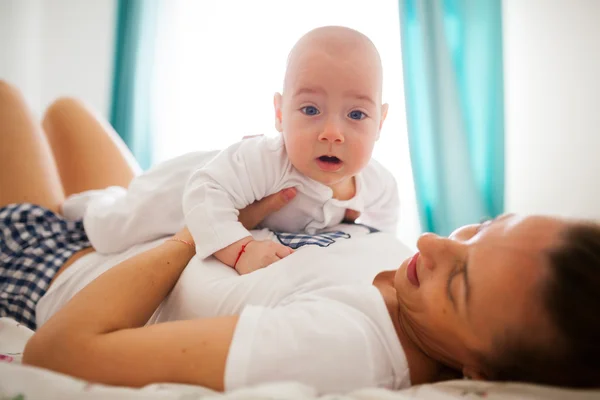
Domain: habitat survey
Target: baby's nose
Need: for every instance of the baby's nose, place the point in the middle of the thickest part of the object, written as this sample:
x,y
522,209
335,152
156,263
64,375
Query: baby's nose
x,y
332,133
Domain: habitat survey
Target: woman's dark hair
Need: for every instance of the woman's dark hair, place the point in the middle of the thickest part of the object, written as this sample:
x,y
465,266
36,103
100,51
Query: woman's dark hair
x,y
571,300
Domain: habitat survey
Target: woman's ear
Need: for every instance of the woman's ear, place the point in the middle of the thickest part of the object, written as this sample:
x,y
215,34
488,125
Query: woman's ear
x,y
474,373
277,103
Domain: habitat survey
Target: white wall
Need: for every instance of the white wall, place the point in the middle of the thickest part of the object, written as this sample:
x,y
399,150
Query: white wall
x,y
552,81
51,48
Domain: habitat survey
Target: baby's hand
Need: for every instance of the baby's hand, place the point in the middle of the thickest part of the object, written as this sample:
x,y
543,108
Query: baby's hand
x,y
260,253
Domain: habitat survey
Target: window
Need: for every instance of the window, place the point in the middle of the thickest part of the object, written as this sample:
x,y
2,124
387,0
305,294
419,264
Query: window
x,y
220,62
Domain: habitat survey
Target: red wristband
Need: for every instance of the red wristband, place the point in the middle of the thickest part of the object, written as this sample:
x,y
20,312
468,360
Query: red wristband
x,y
240,254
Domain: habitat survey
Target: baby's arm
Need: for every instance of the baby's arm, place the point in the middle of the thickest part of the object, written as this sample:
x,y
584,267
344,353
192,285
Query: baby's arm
x,y
148,209
248,255
241,174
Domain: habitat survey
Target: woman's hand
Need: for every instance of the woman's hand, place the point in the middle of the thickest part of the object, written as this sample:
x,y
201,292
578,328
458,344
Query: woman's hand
x,y
254,214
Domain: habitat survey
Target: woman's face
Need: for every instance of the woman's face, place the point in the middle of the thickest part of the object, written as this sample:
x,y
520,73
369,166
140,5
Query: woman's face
x,y
463,293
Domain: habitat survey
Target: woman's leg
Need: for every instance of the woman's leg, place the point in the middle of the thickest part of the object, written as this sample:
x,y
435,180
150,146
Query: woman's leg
x,y
28,171
88,152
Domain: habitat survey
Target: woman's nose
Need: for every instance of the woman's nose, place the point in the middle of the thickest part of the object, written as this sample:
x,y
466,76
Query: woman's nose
x,y
332,132
435,250
429,244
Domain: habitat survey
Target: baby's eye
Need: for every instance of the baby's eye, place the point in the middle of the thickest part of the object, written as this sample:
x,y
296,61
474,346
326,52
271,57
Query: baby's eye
x,y
357,115
310,110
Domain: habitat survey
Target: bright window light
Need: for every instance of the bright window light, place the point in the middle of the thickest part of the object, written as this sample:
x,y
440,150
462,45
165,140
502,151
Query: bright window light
x,y
219,63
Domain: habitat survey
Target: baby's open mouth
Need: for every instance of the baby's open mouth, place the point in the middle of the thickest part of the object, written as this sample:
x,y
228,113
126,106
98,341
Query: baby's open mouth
x,y
330,159
330,163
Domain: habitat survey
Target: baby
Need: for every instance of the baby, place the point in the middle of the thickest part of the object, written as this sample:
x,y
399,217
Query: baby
x,y
329,116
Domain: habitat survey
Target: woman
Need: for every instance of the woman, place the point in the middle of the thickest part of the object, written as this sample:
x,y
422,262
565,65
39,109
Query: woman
x,y
514,298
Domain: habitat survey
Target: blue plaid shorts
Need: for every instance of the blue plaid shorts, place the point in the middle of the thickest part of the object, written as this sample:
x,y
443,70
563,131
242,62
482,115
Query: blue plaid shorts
x,y
34,243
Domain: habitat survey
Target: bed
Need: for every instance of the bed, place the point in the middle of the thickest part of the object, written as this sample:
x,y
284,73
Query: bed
x,y
20,382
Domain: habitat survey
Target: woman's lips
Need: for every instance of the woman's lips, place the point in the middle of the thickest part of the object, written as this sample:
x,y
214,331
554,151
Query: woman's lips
x,y
411,271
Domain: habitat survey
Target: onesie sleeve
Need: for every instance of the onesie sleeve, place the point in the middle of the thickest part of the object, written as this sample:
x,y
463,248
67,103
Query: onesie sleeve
x,y
241,174
150,208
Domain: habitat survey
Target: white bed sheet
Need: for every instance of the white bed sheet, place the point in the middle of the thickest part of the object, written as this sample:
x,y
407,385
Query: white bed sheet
x,y
20,382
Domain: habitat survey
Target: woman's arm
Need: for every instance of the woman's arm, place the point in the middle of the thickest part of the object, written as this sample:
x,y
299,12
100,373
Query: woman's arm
x,y
100,334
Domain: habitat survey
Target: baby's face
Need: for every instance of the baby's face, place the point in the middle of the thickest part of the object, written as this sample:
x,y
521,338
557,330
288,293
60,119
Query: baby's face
x,y
330,113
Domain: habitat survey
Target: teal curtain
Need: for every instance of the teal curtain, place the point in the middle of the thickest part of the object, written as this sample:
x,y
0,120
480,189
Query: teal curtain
x,y
453,79
131,111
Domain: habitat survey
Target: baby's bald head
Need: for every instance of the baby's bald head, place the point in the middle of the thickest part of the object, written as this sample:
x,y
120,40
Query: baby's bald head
x,y
331,105
345,45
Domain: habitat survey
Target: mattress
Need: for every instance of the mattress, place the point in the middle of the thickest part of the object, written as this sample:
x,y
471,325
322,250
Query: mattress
x,y
22,382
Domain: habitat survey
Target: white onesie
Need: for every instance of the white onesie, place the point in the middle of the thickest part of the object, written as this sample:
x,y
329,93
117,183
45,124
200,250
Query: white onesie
x,y
213,186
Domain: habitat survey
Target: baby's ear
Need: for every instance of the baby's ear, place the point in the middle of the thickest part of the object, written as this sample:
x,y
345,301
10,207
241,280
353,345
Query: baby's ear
x,y
384,112
277,102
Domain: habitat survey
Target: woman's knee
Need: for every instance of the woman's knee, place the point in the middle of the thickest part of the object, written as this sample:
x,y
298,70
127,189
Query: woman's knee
x,y
62,114
4,85
7,88
60,108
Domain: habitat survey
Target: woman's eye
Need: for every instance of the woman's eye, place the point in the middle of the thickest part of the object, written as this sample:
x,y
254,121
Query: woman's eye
x,y
484,222
357,115
310,110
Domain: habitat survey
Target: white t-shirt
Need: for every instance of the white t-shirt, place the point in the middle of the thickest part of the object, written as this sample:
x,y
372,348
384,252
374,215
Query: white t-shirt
x,y
313,317
205,190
